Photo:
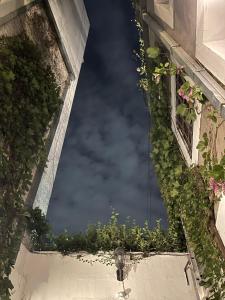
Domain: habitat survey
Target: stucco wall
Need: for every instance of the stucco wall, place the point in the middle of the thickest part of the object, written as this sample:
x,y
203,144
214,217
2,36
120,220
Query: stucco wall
x,y
54,277
184,31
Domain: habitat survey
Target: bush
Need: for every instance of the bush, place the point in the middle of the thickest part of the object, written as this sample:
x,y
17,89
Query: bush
x,y
104,237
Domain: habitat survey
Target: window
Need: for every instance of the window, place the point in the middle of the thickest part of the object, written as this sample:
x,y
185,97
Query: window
x,y
185,128
187,135
164,10
210,36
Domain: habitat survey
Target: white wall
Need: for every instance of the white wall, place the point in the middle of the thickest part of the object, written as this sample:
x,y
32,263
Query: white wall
x,y
214,20
220,218
72,25
210,36
53,277
165,11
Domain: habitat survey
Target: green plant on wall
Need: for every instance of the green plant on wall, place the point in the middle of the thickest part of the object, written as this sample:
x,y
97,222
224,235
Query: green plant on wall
x,y
29,98
103,237
186,191
213,171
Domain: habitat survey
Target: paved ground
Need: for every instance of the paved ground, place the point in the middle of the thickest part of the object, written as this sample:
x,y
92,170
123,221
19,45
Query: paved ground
x,y
53,277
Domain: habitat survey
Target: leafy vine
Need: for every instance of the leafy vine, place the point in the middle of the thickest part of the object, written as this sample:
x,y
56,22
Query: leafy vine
x,y
186,191
29,98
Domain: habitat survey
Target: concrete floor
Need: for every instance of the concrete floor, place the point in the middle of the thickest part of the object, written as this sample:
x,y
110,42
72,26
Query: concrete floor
x,y
50,276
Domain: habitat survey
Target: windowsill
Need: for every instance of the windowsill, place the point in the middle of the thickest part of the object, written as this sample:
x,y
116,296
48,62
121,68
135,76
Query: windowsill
x,y
212,56
165,12
220,222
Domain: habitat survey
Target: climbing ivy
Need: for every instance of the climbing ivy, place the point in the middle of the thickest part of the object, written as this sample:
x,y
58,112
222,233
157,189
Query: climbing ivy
x,y
185,190
29,98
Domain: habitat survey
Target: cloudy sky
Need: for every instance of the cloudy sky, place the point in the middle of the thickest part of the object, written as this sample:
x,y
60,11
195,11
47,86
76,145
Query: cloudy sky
x,y
105,159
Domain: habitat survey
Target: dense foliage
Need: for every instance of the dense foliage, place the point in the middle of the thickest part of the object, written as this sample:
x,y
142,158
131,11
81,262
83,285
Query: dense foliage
x,y
29,98
104,237
184,189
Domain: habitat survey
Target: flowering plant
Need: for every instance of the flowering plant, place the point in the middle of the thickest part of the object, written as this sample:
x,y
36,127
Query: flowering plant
x,y
184,189
190,93
218,187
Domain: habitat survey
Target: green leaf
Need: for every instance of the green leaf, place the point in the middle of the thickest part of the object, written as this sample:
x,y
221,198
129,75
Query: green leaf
x,y
218,172
153,52
178,170
222,161
174,193
190,116
7,284
212,117
181,109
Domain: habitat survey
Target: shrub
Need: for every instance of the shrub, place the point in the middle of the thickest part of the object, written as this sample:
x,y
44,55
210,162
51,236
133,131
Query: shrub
x,y
104,237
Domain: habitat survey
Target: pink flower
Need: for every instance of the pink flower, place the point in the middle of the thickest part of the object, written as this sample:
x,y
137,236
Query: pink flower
x,y
186,98
217,190
216,187
181,93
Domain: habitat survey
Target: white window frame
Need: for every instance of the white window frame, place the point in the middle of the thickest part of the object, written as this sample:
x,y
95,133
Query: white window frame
x,y
220,217
206,48
164,9
196,124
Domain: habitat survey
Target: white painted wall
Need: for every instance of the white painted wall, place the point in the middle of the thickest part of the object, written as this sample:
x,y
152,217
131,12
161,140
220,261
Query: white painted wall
x,y
53,277
48,177
220,218
72,26
214,20
210,36
164,9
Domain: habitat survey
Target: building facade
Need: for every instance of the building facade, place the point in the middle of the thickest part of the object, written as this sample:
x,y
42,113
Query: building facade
x,y
60,29
192,34
178,26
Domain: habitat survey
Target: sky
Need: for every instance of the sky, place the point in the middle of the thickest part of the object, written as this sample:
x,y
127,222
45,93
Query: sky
x,y
105,162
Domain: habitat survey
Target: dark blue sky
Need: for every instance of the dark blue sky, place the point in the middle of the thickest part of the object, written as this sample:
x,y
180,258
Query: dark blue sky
x,y
105,158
